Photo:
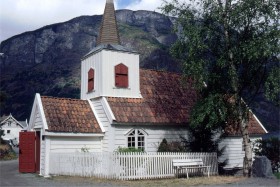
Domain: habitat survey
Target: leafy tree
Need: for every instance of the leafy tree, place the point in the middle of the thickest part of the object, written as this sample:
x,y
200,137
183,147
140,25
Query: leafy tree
x,y
226,47
272,86
164,146
1,134
207,123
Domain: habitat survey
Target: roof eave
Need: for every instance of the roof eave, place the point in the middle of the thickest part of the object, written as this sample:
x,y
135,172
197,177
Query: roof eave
x,y
150,124
69,134
97,50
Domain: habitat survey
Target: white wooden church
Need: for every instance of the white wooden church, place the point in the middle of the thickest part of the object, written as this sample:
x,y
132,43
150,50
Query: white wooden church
x,y
121,105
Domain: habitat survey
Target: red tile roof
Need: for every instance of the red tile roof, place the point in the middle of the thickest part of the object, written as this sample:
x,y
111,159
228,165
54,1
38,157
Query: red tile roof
x,y
69,115
254,127
165,100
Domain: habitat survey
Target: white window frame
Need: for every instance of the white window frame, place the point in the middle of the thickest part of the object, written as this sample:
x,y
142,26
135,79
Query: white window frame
x,y
136,137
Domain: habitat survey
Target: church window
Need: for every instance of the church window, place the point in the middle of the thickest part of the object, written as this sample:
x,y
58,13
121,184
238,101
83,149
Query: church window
x,y
136,139
90,80
121,76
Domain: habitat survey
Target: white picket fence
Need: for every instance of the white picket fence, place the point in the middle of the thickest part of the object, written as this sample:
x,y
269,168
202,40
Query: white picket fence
x,y
124,166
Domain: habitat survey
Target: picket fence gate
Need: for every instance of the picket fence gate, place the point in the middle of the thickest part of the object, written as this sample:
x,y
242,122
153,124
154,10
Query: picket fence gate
x,y
124,166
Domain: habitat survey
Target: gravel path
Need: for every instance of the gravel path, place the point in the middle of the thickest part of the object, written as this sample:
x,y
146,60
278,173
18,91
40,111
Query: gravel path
x,y
9,176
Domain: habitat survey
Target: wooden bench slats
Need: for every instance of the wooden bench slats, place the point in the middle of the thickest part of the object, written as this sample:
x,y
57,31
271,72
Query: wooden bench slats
x,y
187,164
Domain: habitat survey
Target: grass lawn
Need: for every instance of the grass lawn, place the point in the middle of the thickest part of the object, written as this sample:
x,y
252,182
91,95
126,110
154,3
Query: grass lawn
x,y
193,181
277,175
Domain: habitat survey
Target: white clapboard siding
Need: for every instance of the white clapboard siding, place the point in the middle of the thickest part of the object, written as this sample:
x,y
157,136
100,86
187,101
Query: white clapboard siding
x,y
124,166
38,124
233,152
153,135
75,144
103,119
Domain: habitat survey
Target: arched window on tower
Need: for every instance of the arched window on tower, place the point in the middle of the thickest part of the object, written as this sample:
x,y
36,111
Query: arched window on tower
x,y
121,76
90,80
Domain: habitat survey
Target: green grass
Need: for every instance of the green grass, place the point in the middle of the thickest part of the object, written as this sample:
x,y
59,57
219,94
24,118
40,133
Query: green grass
x,y
277,175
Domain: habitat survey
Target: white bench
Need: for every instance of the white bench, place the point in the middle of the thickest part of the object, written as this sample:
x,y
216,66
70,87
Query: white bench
x,y
187,164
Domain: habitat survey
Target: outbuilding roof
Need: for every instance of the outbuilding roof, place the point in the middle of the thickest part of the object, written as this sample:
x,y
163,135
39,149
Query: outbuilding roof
x,y
69,115
254,127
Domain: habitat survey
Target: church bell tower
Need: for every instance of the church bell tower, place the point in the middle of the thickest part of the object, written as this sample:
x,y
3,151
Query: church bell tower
x,y
110,69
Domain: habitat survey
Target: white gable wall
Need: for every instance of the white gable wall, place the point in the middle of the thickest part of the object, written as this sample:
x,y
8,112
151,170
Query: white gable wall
x,y
38,122
104,63
37,118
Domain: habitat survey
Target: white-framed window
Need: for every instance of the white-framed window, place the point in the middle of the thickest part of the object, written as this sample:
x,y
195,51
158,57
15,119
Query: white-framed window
x,y
136,139
8,131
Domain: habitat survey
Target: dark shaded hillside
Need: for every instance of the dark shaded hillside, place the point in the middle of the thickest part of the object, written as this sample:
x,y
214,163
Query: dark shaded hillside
x,y
47,60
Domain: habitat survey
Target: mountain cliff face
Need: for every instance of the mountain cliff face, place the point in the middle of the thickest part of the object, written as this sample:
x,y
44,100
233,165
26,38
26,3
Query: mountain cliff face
x,y
47,60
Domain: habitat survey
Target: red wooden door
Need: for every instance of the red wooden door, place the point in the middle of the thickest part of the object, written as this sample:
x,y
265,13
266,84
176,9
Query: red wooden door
x,y
27,142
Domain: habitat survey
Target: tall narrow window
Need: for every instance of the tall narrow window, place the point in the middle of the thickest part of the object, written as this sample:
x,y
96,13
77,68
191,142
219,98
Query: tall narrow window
x,y
90,80
136,139
121,76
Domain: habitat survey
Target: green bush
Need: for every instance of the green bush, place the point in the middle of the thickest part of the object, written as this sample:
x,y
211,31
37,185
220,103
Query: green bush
x,y
271,149
164,146
7,154
129,150
277,175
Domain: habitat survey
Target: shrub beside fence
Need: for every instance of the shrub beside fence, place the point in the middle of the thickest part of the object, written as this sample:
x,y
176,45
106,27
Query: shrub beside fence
x,y
124,166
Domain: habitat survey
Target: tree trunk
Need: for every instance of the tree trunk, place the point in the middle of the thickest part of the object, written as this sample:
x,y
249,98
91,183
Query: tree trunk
x,y
238,103
246,143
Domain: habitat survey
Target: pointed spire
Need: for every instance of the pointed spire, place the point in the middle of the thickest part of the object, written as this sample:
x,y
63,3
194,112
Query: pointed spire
x,y
108,33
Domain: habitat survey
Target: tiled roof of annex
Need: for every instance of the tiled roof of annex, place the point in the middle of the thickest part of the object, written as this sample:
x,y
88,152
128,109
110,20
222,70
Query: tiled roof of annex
x,y
69,115
165,100
254,127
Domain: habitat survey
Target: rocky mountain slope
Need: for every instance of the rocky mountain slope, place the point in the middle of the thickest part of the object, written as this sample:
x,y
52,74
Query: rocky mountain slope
x,y
47,60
